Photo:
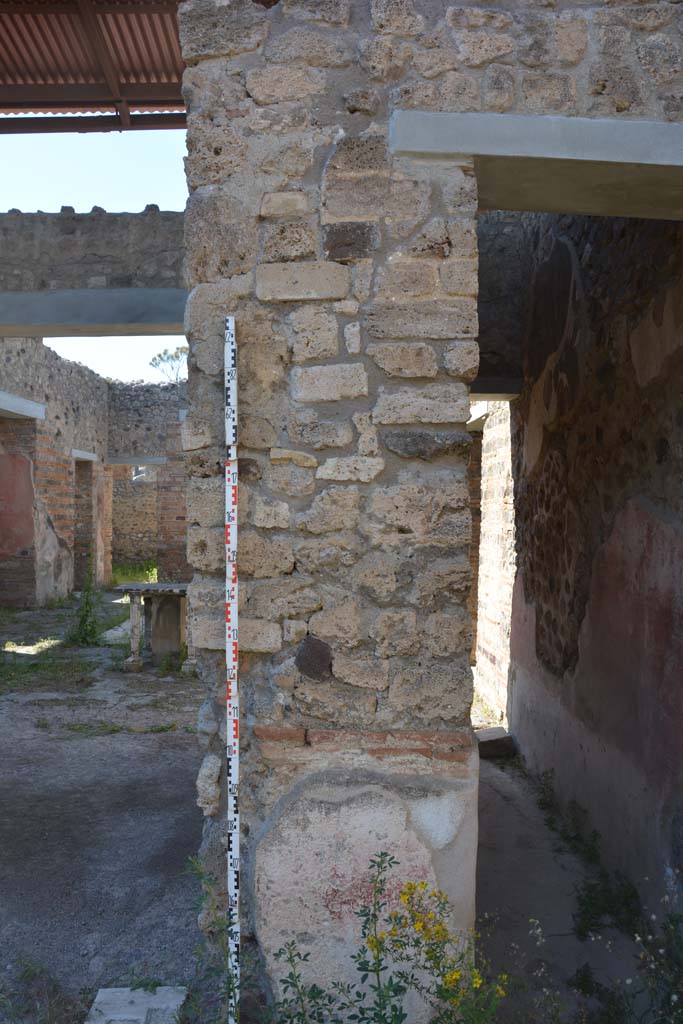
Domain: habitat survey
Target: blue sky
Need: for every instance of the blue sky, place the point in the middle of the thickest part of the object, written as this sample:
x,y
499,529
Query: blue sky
x,y
117,171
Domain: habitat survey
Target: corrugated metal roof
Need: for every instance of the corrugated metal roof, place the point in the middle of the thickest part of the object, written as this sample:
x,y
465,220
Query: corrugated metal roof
x,y
117,57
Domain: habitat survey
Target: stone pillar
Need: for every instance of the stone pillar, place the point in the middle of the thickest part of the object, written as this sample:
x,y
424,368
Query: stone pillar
x,y
353,277
134,662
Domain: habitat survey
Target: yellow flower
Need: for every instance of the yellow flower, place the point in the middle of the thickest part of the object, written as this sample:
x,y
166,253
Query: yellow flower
x,y
422,886
431,916
382,936
404,897
452,978
372,943
500,991
418,925
477,980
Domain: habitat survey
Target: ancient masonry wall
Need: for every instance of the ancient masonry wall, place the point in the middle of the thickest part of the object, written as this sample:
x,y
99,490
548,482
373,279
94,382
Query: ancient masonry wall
x,y
497,562
144,420
596,615
90,250
135,515
17,498
75,402
353,278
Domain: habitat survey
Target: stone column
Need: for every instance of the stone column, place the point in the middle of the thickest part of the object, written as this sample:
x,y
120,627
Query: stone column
x,y
134,662
352,276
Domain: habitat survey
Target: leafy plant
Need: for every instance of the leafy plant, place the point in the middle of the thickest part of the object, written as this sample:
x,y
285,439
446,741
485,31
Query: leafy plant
x,y
402,951
86,631
134,572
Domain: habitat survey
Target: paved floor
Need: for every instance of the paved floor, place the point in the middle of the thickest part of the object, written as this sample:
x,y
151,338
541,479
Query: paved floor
x,y
97,822
525,875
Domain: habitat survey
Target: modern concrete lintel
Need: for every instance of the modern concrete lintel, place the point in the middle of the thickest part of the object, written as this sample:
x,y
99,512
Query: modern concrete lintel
x,y
97,312
14,407
495,389
137,460
600,166
81,456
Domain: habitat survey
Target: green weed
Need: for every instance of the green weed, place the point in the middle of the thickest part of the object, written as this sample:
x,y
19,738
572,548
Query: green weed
x,y
134,572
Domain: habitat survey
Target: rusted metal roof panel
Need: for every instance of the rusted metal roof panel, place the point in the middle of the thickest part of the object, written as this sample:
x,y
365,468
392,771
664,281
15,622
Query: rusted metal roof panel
x,y
117,57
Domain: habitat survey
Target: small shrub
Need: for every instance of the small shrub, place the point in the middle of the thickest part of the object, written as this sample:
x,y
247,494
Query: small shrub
x,y
134,572
86,631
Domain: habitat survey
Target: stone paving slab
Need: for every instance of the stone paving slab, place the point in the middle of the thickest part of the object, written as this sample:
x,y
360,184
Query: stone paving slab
x,y
133,1006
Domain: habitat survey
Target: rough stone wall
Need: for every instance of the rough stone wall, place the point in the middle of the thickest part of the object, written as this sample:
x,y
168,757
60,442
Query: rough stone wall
x,y
497,562
144,420
74,396
140,416
75,402
353,279
17,498
172,511
474,482
596,619
41,251
134,515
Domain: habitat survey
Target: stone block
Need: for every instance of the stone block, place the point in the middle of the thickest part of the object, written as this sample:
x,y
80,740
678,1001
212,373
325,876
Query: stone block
x,y
135,1006
397,17
270,515
399,278
448,632
395,632
426,444
333,12
367,672
206,548
308,428
280,84
351,240
431,403
353,467
206,613
479,47
360,154
291,240
315,334
296,481
282,598
261,557
295,282
284,204
460,277
310,46
335,508
329,383
340,623
350,199
368,440
405,359
205,502
293,630
221,237
430,693
259,636
437,320
498,89
209,28
301,459
256,432
208,784
461,359
352,338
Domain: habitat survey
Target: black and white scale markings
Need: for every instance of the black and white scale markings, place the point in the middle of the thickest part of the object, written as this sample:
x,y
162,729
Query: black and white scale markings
x,y
231,654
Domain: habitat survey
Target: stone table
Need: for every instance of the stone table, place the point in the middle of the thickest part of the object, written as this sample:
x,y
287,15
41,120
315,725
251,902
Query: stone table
x,y
164,620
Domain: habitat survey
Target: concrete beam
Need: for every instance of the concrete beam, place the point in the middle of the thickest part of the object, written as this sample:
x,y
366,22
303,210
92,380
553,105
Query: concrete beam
x,y
97,312
76,453
14,407
137,460
596,166
496,389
